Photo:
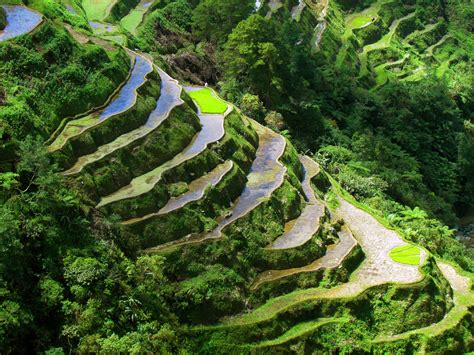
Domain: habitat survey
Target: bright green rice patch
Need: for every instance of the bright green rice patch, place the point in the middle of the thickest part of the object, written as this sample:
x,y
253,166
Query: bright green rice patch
x,y
359,21
97,10
208,102
406,254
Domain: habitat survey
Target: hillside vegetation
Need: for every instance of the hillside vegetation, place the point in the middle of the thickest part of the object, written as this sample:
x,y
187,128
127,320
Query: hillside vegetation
x,y
213,176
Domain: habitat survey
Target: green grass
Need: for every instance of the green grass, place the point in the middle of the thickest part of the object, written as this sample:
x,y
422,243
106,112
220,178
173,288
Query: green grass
x,y
355,21
359,21
383,43
300,330
134,17
132,20
119,39
97,10
208,102
406,254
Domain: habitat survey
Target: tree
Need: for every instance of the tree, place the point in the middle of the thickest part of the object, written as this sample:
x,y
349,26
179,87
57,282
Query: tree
x,y
251,56
251,106
213,20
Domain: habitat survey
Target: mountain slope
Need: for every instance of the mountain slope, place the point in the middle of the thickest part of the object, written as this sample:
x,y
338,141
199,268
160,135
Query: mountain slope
x,y
293,207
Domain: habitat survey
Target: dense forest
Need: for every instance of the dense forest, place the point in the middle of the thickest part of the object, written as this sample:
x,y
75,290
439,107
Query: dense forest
x,y
223,176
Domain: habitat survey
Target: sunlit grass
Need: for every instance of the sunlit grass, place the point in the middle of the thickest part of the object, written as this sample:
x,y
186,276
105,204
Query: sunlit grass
x,y
96,10
406,254
299,330
135,17
359,21
132,20
207,101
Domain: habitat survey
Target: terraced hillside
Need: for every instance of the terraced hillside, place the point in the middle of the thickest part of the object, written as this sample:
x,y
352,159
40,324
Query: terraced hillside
x,y
398,40
229,237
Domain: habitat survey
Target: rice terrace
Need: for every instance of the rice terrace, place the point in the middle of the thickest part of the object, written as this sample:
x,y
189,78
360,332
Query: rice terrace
x,y
236,177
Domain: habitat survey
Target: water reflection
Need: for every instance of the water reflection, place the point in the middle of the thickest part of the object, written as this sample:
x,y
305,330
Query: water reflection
x,y
20,20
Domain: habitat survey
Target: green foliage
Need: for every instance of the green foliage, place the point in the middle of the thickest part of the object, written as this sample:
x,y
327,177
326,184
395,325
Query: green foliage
x,y
252,106
121,166
251,53
404,150
214,20
121,8
48,77
164,29
214,292
178,13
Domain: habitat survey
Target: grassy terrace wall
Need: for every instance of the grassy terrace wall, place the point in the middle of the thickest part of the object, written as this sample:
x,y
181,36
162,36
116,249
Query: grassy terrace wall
x,y
302,255
236,253
319,278
383,309
194,217
459,339
239,144
120,167
266,222
422,41
108,130
54,77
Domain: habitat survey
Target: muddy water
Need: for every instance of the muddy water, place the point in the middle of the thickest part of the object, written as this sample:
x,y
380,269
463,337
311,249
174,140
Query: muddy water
x,y
334,256
128,95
